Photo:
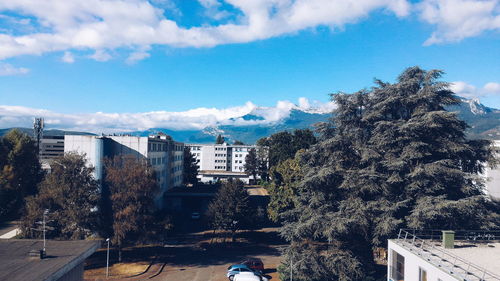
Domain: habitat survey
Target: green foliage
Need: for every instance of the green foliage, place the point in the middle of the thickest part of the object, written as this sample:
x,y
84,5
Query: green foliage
x,y
230,209
283,191
20,172
132,186
219,140
252,163
392,157
284,145
237,142
70,194
190,172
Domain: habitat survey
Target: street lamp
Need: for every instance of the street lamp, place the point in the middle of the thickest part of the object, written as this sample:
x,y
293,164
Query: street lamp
x,y
44,214
107,260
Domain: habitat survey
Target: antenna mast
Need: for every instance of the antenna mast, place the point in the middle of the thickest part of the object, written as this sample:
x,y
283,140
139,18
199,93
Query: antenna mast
x,y
38,132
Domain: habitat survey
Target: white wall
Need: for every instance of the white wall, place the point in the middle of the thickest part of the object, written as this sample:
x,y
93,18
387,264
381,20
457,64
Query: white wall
x,y
413,263
91,146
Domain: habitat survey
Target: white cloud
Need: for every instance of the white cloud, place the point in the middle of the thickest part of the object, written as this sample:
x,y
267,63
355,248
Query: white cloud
x,y
100,55
466,90
139,55
68,57
106,25
459,19
8,69
198,118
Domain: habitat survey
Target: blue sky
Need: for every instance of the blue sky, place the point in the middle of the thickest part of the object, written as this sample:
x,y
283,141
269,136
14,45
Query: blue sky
x,y
174,56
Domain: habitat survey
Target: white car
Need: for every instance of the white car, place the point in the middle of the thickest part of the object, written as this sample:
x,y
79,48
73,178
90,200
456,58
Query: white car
x,y
249,276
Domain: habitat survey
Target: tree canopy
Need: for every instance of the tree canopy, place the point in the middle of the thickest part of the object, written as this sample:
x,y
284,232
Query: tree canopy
x,y
252,163
20,172
70,194
393,157
220,139
132,186
230,209
190,172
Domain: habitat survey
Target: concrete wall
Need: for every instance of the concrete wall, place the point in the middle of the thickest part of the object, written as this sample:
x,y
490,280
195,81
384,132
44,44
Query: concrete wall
x,y
75,274
91,146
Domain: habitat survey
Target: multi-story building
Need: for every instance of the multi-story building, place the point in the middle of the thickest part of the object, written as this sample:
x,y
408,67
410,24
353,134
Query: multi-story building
x,y
429,255
221,161
164,155
51,147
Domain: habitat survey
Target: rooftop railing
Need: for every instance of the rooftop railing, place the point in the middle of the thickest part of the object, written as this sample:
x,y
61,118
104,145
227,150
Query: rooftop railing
x,y
465,270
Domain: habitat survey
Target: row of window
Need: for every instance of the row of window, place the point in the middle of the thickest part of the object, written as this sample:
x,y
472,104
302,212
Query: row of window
x,y
158,161
220,167
157,146
177,157
238,161
398,269
220,155
238,155
220,148
220,161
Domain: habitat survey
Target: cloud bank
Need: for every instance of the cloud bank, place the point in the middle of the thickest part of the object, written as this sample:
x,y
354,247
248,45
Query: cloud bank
x,y
194,119
469,91
34,27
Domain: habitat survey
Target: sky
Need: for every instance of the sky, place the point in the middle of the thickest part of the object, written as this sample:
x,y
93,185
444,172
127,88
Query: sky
x,y
102,65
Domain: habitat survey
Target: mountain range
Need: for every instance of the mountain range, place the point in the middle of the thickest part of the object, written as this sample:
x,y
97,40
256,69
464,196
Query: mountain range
x,y
484,123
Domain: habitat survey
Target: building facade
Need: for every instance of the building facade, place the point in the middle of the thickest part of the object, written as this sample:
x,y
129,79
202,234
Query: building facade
x,y
444,256
51,147
221,161
162,153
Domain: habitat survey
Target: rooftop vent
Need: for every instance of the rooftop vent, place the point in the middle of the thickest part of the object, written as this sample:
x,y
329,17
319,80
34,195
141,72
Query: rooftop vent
x,y
448,239
36,254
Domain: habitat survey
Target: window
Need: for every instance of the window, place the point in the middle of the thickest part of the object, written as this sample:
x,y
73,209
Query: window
x,y
422,274
397,266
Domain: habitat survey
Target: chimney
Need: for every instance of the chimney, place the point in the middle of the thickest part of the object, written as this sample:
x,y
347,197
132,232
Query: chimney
x,y
448,239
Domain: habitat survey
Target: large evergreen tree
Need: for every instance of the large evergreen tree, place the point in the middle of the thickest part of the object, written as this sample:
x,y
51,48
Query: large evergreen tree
x,y
396,158
252,164
70,194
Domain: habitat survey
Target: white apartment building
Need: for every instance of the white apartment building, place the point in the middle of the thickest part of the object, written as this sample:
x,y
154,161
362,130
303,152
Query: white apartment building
x,y
221,161
164,155
444,256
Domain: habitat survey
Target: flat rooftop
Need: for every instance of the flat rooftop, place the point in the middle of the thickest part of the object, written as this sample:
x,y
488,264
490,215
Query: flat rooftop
x,y
470,258
61,257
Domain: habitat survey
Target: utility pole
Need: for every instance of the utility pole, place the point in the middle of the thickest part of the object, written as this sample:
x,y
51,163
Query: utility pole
x,y
107,260
44,243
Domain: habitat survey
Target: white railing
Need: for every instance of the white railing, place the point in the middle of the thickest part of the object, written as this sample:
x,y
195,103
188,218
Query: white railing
x,y
449,262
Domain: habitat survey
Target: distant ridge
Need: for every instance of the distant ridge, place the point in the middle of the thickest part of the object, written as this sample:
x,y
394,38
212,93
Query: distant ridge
x,y
484,123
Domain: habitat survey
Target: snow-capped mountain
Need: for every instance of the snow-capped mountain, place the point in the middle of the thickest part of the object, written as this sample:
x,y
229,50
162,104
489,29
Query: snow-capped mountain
x,y
248,123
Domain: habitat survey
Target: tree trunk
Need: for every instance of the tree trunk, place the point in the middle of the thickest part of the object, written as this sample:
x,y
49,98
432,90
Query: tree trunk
x,y
119,254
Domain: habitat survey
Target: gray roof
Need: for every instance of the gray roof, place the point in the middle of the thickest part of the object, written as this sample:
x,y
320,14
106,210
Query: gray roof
x,y
61,257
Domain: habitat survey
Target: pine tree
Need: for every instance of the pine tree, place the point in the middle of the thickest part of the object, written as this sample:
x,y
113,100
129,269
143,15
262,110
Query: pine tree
x,y
393,157
190,172
219,140
252,164
70,194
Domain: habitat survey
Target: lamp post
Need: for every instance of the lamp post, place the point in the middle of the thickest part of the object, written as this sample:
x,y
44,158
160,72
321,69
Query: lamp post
x,y
107,260
44,243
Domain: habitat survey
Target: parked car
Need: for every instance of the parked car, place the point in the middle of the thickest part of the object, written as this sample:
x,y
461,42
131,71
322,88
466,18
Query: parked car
x,y
249,276
255,264
236,269
195,216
